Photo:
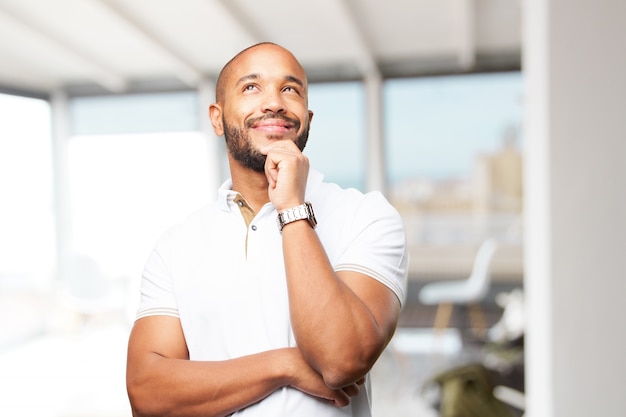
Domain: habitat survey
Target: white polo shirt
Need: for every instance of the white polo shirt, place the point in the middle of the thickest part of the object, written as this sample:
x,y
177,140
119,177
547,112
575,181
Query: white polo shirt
x,y
225,279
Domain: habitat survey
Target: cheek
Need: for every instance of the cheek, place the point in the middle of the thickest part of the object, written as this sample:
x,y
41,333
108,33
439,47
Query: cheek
x,y
242,107
239,117
301,110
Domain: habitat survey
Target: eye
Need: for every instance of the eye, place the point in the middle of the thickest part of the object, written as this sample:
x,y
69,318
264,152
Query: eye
x,y
249,87
291,89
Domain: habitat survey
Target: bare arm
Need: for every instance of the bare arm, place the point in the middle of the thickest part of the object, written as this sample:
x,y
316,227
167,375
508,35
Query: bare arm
x,y
162,381
342,321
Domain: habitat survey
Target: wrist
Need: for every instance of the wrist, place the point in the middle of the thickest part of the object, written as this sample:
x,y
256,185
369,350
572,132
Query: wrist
x,y
286,368
300,212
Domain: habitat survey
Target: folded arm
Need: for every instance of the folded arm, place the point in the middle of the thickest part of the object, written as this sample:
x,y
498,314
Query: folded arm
x,y
162,381
342,321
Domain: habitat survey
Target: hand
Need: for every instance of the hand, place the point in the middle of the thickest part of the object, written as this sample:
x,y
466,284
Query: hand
x,y
353,390
309,381
286,169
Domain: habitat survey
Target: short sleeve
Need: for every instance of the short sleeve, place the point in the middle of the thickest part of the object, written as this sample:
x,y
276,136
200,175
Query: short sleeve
x,y
156,291
378,244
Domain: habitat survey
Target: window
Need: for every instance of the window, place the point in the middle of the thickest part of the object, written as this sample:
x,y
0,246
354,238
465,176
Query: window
x,y
27,230
27,242
337,141
128,189
454,162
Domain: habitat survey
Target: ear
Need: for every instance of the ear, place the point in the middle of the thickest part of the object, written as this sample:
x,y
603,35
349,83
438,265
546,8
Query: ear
x,y
310,116
215,114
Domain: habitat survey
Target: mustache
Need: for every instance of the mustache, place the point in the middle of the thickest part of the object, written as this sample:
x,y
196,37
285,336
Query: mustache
x,y
294,122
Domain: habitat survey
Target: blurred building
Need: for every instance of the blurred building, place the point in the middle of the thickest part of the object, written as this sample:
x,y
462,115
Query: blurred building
x,y
497,178
447,219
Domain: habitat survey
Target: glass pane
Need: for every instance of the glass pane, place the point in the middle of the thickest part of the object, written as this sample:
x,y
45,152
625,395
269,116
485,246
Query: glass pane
x,y
27,232
437,126
27,244
337,139
128,189
454,160
135,113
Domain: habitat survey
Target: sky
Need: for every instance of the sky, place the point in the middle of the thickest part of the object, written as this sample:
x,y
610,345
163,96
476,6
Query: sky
x,y
436,126
433,126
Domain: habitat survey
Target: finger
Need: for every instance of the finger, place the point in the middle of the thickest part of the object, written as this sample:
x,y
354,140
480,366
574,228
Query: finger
x,y
271,170
271,173
351,390
337,398
341,399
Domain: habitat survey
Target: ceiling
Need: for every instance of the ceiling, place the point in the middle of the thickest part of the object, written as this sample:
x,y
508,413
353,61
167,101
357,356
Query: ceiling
x,y
116,46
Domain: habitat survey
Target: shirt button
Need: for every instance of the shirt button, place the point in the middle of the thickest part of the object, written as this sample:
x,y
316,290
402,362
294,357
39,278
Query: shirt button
x,y
254,227
240,203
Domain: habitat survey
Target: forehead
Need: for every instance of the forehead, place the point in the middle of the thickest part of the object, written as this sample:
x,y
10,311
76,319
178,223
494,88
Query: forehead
x,y
266,61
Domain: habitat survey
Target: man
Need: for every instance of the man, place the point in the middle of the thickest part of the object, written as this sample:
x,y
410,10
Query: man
x,y
250,307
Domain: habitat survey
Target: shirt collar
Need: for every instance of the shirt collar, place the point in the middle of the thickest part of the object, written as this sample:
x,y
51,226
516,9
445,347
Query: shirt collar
x,y
225,194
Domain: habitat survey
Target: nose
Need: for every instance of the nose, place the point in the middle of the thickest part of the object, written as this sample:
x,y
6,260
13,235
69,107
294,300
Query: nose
x,y
273,102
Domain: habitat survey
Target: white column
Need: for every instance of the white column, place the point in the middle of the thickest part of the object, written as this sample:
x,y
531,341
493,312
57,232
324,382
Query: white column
x,y
62,213
575,180
215,148
375,176
467,30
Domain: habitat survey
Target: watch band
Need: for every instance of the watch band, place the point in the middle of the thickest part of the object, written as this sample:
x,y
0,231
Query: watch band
x,y
301,212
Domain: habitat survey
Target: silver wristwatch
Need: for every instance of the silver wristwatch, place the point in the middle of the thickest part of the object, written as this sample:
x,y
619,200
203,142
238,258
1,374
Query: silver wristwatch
x,y
301,212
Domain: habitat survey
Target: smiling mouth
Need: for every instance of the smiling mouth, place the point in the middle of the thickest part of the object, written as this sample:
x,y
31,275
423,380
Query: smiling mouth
x,y
273,123
272,126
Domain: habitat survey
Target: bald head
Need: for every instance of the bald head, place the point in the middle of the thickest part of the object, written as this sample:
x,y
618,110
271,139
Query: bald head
x,y
227,71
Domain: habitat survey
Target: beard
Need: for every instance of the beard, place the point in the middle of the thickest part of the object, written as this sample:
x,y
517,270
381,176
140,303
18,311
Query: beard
x,y
240,147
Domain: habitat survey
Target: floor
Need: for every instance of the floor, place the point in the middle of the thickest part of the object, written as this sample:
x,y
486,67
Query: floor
x,y
77,369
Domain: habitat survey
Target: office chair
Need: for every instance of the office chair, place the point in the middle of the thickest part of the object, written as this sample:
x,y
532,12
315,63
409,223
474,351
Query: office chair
x,y
463,292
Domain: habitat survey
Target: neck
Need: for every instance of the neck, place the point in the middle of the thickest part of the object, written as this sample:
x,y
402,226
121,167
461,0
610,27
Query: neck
x,y
250,184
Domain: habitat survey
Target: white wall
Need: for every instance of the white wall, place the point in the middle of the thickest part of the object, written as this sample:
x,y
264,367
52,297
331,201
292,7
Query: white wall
x,y
575,69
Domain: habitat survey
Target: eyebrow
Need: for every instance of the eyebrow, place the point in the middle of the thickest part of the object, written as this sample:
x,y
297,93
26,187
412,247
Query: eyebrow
x,y
290,78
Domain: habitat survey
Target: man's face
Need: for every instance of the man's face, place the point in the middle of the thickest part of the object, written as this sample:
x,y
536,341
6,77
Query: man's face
x,y
264,100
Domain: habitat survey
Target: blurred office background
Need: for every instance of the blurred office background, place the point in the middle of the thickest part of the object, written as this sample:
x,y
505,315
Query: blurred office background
x,y
481,120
